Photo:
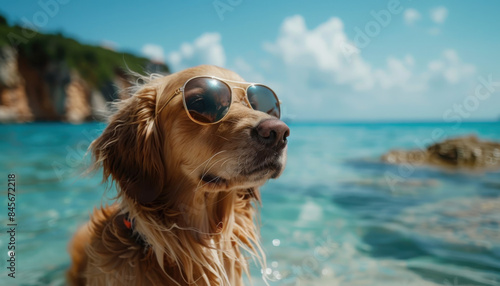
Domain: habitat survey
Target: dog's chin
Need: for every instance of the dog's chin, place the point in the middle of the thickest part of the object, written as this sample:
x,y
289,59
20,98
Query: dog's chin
x,y
267,171
254,176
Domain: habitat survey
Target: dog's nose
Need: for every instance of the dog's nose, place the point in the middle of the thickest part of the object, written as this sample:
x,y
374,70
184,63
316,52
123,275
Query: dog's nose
x,y
272,133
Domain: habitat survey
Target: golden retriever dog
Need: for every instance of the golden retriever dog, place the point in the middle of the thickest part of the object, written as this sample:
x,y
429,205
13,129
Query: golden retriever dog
x,y
187,153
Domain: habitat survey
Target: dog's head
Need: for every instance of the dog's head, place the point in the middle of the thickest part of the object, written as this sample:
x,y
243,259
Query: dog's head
x,y
153,149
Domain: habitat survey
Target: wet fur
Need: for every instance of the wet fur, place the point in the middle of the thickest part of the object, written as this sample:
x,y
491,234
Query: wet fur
x,y
186,231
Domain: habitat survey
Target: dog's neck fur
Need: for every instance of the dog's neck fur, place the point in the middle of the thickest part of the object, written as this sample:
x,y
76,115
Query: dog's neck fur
x,y
218,221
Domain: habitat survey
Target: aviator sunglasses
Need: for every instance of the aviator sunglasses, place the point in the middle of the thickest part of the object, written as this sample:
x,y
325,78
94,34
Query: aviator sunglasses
x,y
207,99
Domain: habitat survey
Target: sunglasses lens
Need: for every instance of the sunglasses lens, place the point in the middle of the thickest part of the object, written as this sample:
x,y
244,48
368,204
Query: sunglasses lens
x,y
263,99
207,100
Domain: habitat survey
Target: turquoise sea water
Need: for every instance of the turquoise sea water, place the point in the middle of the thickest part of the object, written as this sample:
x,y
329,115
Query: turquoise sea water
x,y
337,216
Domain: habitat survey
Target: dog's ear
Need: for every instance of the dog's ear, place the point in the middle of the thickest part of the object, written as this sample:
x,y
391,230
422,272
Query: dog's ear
x,y
130,148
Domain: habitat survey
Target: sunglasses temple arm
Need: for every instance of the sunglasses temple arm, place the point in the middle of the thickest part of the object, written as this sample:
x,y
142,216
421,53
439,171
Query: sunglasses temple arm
x,y
178,91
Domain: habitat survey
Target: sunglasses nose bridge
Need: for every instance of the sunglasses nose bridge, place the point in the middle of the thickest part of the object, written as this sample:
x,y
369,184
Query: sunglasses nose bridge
x,y
243,96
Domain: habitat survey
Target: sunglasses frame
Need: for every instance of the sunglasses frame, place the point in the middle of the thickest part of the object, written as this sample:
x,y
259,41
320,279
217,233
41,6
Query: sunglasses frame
x,y
224,81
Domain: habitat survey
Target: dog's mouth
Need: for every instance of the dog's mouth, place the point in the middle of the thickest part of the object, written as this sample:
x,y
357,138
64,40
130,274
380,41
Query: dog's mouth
x,y
252,169
265,162
213,179
265,168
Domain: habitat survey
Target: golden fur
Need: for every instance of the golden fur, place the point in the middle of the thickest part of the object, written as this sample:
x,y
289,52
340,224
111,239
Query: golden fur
x,y
186,231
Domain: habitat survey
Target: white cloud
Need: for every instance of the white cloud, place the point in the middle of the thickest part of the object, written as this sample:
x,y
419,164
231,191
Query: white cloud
x,y
324,51
450,68
206,49
447,69
321,53
411,16
396,73
439,14
317,69
153,52
246,70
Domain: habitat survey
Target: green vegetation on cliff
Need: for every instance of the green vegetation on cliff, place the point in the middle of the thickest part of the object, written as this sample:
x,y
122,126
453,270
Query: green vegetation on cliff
x,y
95,64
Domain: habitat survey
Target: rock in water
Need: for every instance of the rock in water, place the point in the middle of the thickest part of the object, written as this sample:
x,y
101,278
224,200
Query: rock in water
x,y
462,152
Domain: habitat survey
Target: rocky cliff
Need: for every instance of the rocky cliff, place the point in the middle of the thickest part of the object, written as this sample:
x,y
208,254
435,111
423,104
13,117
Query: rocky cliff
x,y
54,78
13,99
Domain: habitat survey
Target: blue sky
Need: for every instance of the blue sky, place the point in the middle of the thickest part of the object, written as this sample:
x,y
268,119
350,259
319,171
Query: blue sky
x,y
327,60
